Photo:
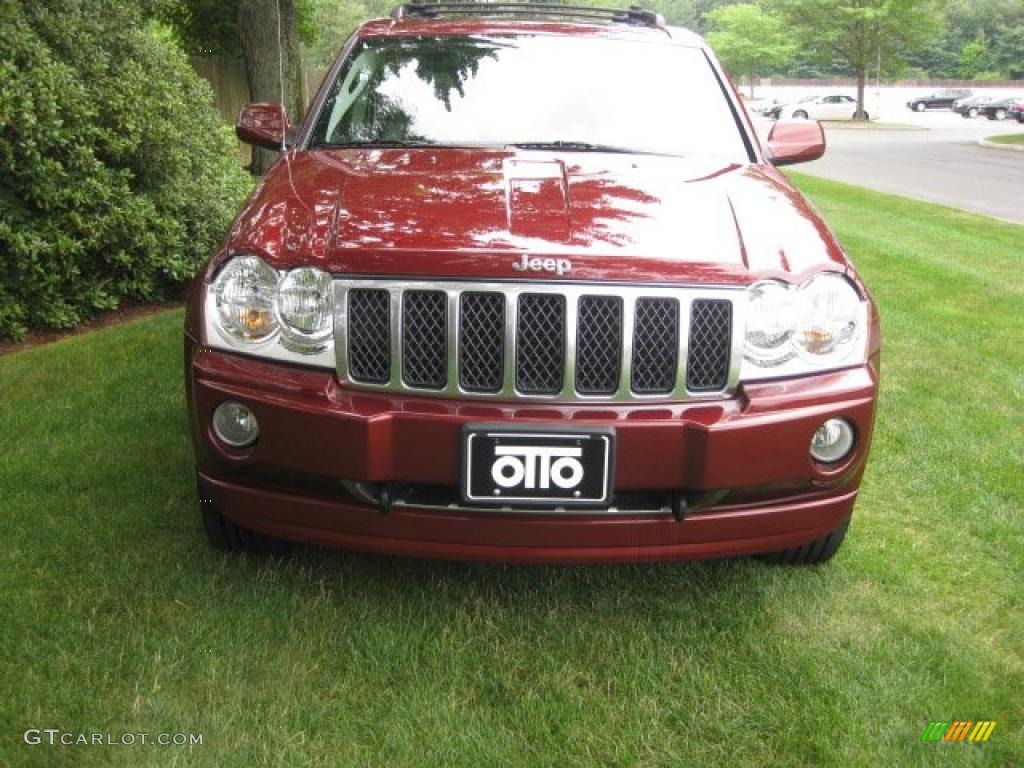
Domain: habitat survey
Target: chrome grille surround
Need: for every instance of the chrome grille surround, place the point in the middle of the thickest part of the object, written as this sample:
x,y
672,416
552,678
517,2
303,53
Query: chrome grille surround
x,y
455,291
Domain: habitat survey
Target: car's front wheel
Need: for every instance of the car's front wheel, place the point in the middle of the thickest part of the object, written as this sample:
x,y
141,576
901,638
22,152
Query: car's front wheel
x,y
920,107
230,537
972,112
813,553
800,115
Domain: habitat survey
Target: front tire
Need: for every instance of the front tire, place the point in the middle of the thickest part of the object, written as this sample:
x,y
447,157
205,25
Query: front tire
x,y
226,536
920,107
813,553
972,112
800,115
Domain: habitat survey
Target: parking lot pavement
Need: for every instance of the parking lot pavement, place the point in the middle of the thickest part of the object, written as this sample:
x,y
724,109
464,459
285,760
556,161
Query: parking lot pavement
x,y
941,162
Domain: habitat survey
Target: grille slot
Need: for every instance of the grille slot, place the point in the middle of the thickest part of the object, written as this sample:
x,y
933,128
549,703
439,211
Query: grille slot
x,y
707,367
598,345
425,339
369,335
481,341
540,343
655,346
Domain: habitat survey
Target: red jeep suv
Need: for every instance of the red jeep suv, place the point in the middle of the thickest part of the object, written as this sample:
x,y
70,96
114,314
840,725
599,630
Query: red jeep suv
x,y
525,286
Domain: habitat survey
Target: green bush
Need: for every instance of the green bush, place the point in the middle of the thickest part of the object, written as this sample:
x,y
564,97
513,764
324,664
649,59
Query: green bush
x,y
116,176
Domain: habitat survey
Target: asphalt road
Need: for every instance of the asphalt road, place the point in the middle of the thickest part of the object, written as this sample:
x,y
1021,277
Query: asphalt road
x,y
939,162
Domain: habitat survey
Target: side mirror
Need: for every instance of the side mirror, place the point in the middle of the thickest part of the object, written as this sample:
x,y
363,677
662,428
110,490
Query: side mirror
x,y
795,141
263,125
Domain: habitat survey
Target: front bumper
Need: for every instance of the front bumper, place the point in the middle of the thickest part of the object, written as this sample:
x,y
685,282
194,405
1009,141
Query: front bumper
x,y
749,453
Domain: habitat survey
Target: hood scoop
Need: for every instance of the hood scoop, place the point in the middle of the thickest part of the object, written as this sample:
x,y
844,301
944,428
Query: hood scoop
x,y
537,199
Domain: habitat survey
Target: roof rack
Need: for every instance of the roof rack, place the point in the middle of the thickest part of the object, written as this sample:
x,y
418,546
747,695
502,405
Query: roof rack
x,y
634,15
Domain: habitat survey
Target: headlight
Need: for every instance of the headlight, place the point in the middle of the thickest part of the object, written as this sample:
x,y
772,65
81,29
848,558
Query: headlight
x,y
251,308
769,323
827,320
244,293
817,326
305,309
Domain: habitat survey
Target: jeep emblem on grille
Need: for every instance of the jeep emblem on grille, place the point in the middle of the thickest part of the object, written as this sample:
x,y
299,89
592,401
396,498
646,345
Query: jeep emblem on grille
x,y
532,467
558,266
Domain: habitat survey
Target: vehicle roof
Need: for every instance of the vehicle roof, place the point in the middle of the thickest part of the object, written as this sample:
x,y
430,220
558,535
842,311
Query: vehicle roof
x,y
455,26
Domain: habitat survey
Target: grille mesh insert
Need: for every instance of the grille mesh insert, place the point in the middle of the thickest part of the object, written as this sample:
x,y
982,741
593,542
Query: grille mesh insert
x,y
598,345
369,335
655,345
707,367
425,339
481,341
540,349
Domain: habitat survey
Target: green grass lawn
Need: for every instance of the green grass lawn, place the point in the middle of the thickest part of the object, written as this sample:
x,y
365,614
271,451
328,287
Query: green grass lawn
x,y
116,617
1009,138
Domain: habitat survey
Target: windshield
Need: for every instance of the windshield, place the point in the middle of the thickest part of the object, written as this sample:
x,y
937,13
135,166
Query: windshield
x,y
533,91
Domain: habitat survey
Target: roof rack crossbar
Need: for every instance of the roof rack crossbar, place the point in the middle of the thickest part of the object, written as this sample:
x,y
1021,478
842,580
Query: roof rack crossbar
x,y
428,10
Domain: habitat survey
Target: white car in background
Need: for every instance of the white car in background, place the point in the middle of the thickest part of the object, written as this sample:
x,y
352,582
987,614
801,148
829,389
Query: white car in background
x,y
832,106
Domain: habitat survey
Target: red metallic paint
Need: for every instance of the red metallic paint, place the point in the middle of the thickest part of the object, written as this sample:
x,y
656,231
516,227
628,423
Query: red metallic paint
x,y
262,124
446,213
796,141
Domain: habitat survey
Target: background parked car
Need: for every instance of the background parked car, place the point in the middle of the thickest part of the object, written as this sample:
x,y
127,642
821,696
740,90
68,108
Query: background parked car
x,y
1000,110
939,99
775,109
833,106
971,106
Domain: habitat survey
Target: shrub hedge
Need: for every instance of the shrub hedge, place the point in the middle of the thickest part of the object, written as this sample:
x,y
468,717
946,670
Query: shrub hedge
x,y
116,176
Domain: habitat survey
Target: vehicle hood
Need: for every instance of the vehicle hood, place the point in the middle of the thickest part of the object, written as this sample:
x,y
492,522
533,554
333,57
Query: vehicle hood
x,y
473,213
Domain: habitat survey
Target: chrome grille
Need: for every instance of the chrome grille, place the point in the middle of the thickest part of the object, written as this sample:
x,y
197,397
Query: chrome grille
x,y
549,341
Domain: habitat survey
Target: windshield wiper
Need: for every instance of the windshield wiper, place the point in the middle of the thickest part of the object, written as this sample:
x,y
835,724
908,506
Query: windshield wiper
x,y
580,146
376,144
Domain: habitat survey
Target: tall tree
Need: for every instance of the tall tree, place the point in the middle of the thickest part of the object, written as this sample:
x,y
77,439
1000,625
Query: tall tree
x,y
861,32
748,40
273,62
248,29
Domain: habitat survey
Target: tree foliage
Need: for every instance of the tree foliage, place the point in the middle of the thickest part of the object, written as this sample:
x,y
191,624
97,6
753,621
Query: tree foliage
x,y
748,40
211,28
118,178
860,32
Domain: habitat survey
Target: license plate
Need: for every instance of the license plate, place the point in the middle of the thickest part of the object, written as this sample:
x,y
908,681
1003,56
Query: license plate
x,y
527,466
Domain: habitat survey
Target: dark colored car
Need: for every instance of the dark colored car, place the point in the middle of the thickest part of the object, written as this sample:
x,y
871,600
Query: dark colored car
x,y
971,106
939,99
501,298
1002,109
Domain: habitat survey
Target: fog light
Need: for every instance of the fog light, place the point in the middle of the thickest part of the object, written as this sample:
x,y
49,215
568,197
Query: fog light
x,y
235,425
833,441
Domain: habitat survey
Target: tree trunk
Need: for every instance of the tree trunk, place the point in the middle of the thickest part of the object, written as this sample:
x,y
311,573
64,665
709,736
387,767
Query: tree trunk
x,y
267,56
751,85
862,79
